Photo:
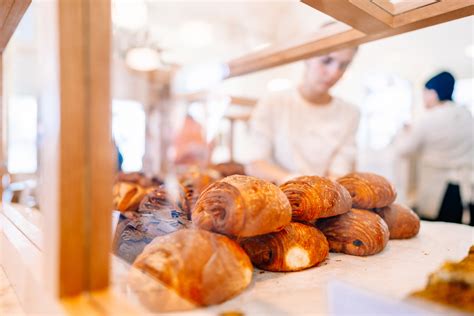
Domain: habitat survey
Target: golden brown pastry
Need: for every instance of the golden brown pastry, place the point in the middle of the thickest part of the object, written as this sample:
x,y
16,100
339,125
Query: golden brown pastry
x,y
127,196
229,168
295,247
201,267
402,222
368,190
313,197
192,184
242,206
357,232
452,284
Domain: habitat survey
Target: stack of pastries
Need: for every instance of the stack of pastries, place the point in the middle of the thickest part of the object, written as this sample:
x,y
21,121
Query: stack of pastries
x,y
199,248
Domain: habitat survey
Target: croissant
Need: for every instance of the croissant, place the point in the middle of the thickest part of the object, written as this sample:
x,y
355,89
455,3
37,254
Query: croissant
x,y
198,266
127,196
192,184
156,216
229,168
368,190
357,232
295,247
242,206
313,197
402,222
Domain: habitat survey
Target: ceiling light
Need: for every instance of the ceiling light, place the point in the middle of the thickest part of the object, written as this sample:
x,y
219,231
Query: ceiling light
x,y
143,59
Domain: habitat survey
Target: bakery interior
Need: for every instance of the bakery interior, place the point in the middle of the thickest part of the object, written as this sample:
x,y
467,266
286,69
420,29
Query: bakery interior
x,y
129,135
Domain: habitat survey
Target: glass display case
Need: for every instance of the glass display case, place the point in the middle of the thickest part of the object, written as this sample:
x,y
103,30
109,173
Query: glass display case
x,y
59,259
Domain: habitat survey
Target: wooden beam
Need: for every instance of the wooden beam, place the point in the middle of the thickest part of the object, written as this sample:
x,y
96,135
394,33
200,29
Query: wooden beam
x,y
11,12
332,39
243,101
346,12
238,117
77,157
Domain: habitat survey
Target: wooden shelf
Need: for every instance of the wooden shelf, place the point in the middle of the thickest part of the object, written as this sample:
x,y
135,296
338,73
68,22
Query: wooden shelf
x,y
361,21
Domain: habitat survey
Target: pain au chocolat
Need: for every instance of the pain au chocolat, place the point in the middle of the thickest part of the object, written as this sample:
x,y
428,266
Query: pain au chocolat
x,y
357,232
313,197
368,190
402,222
189,268
296,247
242,206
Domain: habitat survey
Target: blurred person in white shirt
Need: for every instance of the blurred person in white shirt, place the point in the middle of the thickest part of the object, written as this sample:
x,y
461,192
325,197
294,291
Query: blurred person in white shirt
x,y
442,142
305,130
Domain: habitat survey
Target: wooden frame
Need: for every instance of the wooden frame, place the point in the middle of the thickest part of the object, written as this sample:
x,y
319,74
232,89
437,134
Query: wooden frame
x,y
77,158
79,174
364,21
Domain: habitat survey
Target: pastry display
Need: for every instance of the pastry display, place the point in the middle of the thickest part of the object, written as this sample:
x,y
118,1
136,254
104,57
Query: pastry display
x,y
200,267
295,247
313,197
180,262
452,284
357,232
402,222
242,206
368,190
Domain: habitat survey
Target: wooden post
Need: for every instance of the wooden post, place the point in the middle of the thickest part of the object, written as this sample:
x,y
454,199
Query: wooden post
x,y
3,141
231,139
77,154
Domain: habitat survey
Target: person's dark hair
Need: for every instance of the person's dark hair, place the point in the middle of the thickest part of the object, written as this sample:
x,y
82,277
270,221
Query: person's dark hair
x,y
443,84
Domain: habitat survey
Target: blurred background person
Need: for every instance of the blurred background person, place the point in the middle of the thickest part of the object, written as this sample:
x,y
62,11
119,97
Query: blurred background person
x,y
191,146
305,130
443,145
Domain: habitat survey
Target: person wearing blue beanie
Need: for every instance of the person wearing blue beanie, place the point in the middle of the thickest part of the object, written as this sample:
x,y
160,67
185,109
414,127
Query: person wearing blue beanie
x,y
443,85
442,141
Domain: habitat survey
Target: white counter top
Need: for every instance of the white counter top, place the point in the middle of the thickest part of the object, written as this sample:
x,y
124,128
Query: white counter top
x,y
401,268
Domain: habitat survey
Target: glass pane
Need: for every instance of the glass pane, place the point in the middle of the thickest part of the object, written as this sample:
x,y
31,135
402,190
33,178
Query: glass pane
x,y
21,90
22,131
